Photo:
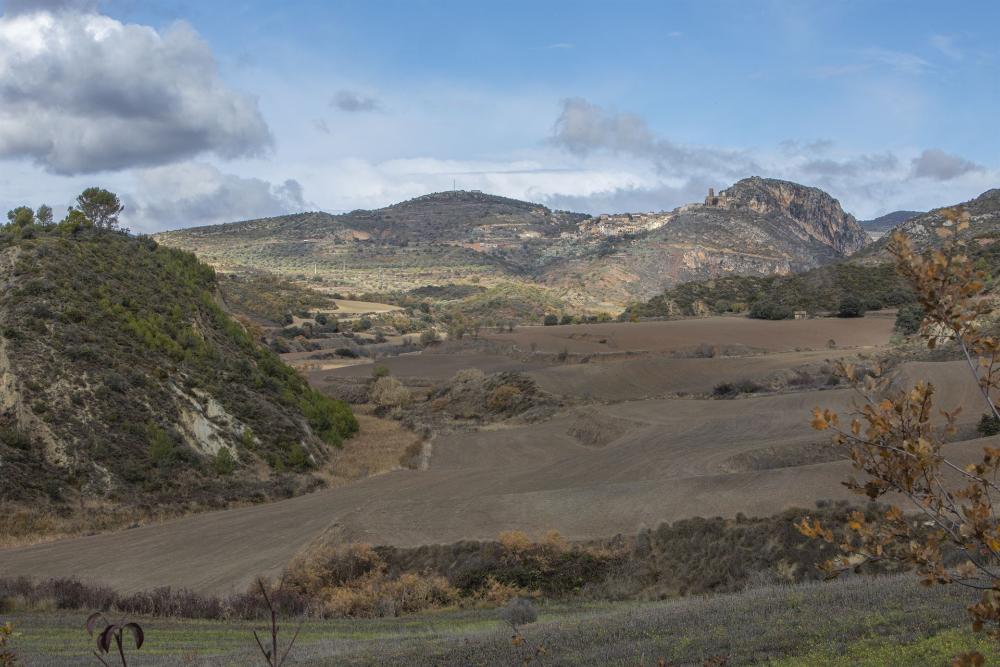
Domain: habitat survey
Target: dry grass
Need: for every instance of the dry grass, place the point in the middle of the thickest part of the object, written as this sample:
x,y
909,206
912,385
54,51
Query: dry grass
x,y
381,445
21,525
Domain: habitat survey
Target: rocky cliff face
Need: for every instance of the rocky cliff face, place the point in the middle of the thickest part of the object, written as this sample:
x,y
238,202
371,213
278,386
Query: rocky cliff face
x,y
811,212
756,227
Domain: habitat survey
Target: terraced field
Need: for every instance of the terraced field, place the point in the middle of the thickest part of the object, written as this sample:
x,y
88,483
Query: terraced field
x,y
625,451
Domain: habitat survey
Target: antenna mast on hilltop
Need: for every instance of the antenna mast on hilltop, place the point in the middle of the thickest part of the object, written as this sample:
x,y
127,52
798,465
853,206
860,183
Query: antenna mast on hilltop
x,y
453,188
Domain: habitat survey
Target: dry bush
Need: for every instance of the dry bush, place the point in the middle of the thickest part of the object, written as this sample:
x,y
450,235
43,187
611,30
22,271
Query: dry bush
x,y
514,541
504,398
468,375
353,581
554,540
377,596
493,593
388,392
332,567
8,658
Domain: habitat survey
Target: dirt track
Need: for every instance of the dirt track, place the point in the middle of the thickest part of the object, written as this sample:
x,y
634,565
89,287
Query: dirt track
x,y
592,471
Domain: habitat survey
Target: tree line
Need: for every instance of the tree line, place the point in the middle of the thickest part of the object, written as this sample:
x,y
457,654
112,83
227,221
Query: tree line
x,y
95,208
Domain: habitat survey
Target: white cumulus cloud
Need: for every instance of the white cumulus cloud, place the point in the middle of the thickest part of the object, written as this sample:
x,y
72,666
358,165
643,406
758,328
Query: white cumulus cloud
x,y
194,193
84,93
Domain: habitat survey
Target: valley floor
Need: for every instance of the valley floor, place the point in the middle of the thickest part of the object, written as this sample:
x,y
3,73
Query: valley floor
x,y
611,462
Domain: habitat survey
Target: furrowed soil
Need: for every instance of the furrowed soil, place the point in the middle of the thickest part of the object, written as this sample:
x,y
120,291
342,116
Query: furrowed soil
x,y
637,441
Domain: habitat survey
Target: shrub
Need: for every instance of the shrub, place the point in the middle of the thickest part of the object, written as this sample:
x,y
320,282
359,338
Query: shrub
x,y
354,581
380,371
566,319
388,392
15,437
504,398
872,303
162,450
468,375
988,425
850,306
550,320
297,458
346,352
330,419
224,463
909,318
731,389
748,387
429,336
768,310
518,612
724,389
704,351
8,658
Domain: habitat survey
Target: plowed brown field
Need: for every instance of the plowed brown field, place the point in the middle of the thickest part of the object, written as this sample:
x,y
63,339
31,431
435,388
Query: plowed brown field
x,y
594,470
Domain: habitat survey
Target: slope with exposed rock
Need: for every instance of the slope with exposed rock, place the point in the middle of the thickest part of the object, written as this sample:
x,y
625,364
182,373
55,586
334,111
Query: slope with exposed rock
x,y
868,275
757,227
984,222
125,382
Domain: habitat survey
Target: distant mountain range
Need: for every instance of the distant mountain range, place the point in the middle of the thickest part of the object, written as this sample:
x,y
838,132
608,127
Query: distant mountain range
x,y
884,223
756,227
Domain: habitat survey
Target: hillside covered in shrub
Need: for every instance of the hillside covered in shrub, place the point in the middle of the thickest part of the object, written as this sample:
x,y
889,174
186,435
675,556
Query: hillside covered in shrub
x,y
125,381
817,291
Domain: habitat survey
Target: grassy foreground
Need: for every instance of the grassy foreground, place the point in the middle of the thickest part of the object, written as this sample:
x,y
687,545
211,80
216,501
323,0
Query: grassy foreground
x,y
859,621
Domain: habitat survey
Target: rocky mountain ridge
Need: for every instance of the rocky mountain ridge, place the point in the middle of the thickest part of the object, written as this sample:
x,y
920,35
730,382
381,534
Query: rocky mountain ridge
x,y
757,227
815,213
984,221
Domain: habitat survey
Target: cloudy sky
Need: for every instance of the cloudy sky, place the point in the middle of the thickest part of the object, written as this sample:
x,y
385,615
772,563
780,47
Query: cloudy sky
x,y
201,112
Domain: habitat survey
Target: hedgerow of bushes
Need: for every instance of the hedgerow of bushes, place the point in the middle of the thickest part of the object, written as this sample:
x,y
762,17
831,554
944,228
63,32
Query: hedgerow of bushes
x,y
819,290
687,557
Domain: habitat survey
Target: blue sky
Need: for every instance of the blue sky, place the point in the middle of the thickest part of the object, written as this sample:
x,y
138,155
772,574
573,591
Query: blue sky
x,y
595,106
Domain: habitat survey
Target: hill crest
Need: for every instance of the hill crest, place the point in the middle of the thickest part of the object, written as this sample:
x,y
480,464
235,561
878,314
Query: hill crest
x,y
757,226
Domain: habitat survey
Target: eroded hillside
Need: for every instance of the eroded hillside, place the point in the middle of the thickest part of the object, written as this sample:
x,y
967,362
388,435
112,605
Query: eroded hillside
x,y
757,227
868,275
123,380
